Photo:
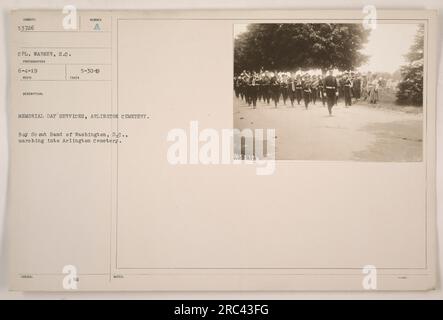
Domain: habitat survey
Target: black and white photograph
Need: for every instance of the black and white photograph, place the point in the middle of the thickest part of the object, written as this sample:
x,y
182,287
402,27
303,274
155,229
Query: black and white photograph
x,y
332,91
221,156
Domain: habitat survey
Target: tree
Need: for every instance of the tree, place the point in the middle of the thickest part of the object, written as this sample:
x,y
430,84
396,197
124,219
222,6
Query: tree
x,y
410,88
301,45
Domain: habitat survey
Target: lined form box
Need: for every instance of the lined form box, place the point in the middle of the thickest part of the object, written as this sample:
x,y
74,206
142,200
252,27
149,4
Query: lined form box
x,y
88,72
41,72
64,55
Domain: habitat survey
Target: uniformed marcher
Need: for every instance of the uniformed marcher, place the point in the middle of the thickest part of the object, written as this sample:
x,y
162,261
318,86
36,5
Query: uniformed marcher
x,y
284,82
248,89
298,89
253,90
241,85
321,89
331,92
347,90
314,89
266,88
340,87
237,86
291,89
275,89
307,90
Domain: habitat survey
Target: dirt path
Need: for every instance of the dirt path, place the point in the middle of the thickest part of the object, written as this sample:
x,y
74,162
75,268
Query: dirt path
x,y
360,132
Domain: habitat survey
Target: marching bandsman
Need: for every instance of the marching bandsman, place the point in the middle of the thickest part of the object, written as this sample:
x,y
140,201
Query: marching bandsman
x,y
306,89
275,89
237,86
291,88
266,88
248,96
298,88
253,90
248,89
284,89
347,89
260,91
321,89
331,90
314,89
242,85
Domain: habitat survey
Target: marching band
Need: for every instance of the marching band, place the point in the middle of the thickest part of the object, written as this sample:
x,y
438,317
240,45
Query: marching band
x,y
308,87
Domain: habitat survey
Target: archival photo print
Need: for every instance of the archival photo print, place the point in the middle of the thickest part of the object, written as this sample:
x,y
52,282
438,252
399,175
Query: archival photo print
x,y
331,91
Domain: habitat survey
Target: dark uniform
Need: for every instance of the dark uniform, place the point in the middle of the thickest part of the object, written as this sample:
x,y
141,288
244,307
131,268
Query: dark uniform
x,y
249,90
237,87
330,85
291,90
275,90
298,90
252,91
321,91
284,89
258,84
347,88
266,89
340,88
314,89
307,92
243,87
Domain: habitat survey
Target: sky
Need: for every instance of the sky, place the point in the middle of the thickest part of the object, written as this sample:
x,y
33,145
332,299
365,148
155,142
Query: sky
x,y
386,46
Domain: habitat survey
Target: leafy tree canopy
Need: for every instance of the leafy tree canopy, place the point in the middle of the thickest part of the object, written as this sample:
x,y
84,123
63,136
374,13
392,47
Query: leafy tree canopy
x,y
301,45
410,88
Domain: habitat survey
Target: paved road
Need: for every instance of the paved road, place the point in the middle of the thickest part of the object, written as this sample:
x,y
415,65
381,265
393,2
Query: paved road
x,y
361,132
